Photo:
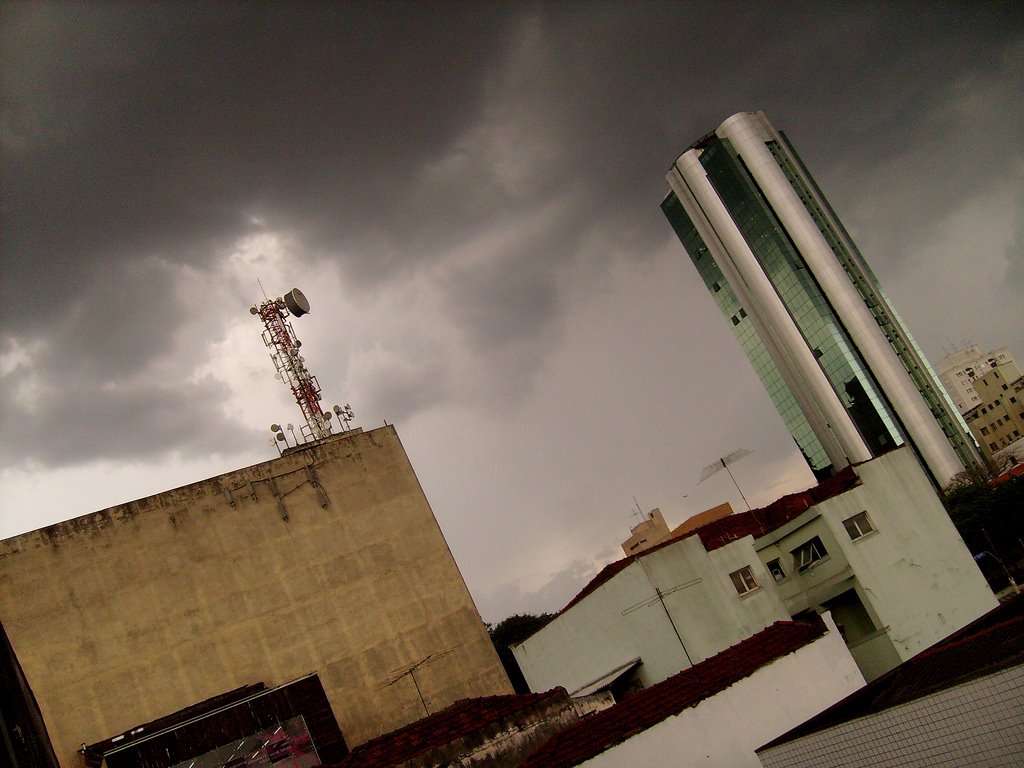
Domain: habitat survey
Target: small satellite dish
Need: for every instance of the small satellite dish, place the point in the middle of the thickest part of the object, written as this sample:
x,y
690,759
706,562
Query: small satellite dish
x,y
253,311
328,415
280,437
296,302
337,409
275,427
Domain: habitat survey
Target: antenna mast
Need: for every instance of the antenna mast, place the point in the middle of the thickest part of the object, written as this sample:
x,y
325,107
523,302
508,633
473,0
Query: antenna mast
x,y
280,339
723,463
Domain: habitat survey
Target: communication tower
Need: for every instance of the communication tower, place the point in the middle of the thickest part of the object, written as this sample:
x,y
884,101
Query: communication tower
x,y
280,339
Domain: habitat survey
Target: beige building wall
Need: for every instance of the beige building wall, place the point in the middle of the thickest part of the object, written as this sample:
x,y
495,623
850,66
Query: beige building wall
x,y
703,518
960,370
650,531
998,421
325,560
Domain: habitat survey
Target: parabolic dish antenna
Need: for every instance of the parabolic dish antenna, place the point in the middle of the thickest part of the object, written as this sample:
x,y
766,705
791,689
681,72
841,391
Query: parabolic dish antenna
x,y
296,302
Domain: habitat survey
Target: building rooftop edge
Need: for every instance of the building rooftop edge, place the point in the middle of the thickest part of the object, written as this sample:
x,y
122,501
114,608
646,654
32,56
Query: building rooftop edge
x,y
986,646
293,451
717,533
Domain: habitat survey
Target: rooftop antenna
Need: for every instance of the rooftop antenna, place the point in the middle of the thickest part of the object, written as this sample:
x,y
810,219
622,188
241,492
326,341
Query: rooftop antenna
x,y
409,670
638,514
280,339
723,463
660,598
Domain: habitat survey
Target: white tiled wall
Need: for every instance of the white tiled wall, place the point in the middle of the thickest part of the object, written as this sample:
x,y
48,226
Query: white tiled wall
x,y
979,723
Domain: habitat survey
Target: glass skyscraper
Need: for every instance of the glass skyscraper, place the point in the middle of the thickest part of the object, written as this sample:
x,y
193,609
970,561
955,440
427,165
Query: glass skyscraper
x,y
836,359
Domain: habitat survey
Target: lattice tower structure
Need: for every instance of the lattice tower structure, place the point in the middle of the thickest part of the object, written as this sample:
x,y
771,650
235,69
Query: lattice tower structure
x,y
280,339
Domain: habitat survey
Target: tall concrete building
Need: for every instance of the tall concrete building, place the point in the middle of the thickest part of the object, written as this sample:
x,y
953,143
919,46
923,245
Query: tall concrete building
x,y
958,372
836,359
321,575
997,421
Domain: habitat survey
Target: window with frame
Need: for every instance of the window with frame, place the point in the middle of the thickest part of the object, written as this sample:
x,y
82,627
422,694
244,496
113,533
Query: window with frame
x,y
776,570
857,526
743,580
808,554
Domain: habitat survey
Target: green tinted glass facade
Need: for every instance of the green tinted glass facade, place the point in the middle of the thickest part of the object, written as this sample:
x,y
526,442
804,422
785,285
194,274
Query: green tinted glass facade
x,y
747,336
807,305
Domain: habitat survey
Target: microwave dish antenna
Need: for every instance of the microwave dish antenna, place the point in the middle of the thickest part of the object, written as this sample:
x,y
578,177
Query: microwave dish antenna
x,y
296,302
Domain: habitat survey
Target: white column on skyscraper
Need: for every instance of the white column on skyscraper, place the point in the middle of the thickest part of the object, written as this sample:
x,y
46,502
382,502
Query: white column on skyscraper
x,y
747,133
769,315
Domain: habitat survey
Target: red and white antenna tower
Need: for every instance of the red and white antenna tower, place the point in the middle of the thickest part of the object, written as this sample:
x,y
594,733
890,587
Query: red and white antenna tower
x,y
279,336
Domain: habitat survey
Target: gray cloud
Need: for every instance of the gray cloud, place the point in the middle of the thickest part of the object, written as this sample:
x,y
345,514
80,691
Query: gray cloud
x,y
474,178
551,597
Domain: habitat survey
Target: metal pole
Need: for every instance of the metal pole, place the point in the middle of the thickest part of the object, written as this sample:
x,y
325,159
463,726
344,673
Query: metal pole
x,y
735,483
675,629
412,674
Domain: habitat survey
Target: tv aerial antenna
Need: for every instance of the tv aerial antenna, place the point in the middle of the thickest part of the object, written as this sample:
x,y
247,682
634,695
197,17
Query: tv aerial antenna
x,y
723,463
409,670
659,597
279,337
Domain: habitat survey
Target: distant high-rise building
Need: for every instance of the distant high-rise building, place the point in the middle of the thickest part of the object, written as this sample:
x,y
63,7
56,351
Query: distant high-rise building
x,y
958,372
997,421
836,359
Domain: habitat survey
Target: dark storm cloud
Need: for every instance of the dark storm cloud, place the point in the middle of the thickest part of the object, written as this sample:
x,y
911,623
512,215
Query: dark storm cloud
x,y
385,138
134,129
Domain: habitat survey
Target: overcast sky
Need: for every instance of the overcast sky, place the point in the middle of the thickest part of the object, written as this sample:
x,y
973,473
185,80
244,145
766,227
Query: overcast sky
x,y
468,194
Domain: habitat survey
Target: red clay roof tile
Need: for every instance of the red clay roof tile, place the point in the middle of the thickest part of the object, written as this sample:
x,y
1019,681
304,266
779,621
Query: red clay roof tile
x,y
461,718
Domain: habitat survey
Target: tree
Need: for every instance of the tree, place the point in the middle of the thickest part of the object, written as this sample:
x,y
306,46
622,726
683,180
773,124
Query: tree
x,y
514,630
987,509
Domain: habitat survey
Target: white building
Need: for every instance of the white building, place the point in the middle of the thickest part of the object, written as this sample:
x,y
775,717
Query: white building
x,y
838,362
872,545
720,711
959,370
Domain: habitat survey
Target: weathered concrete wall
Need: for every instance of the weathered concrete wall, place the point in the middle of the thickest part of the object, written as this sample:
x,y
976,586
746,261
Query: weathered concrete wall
x,y
623,619
914,575
134,612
